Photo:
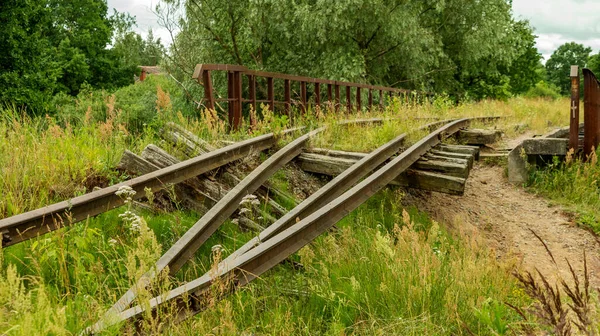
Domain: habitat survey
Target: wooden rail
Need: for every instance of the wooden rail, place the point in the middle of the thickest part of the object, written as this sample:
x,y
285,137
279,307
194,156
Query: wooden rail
x,y
235,98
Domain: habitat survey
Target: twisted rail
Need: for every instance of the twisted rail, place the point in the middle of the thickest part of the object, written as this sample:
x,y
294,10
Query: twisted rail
x,y
291,232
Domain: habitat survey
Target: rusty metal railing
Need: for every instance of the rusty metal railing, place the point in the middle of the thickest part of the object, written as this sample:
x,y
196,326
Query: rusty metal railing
x,y
235,92
591,106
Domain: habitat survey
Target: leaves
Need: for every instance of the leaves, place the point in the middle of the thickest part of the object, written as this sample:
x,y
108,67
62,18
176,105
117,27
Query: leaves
x,y
457,46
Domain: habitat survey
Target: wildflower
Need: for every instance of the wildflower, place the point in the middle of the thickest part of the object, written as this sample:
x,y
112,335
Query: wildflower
x,y
217,248
244,211
112,242
235,221
125,192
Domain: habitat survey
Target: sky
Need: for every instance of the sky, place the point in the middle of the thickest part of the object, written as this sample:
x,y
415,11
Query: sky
x,y
556,21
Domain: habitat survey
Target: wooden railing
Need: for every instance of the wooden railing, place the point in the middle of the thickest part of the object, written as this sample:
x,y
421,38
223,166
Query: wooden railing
x,y
332,97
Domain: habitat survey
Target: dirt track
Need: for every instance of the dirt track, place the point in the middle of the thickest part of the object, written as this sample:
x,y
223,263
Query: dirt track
x,y
505,216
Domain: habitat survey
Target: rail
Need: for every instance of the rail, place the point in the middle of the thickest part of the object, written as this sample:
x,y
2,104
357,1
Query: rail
x,y
235,93
31,224
37,222
288,234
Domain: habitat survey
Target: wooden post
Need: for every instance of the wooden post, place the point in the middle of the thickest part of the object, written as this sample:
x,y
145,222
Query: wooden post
x,y
270,93
370,99
574,114
358,100
381,99
208,90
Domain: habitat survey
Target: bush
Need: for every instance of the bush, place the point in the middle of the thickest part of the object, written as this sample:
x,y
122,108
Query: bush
x,y
134,105
543,90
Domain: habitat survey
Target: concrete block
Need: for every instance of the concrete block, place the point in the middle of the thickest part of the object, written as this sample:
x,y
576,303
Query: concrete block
x,y
527,151
545,146
517,166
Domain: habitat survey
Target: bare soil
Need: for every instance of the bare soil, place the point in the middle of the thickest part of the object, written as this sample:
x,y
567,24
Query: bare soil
x,y
506,217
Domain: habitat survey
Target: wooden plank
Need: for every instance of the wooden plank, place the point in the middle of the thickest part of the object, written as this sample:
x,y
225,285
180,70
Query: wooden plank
x,y
452,169
461,161
470,158
336,153
471,150
479,136
429,181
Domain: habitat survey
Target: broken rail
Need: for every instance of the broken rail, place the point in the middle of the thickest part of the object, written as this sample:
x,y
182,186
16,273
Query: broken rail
x,y
31,224
294,230
375,95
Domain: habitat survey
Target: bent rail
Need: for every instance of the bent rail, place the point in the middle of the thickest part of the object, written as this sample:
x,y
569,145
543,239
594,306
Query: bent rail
x,y
185,248
37,222
285,239
235,99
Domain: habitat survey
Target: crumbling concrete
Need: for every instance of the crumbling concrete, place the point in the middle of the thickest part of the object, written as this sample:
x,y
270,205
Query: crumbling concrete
x,y
531,153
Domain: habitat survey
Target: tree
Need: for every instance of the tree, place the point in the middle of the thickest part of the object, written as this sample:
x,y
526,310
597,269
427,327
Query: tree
x,y
524,72
52,46
558,66
594,64
451,46
28,68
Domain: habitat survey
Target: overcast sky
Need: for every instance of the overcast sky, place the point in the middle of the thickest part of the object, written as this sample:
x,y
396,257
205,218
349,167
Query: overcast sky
x,y
556,21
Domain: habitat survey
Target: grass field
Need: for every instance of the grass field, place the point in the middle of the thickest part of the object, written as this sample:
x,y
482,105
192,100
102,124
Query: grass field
x,y
387,270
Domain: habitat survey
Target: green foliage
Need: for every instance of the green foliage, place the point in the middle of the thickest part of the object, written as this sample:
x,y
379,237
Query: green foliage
x,y
574,185
594,64
558,66
543,90
57,46
450,46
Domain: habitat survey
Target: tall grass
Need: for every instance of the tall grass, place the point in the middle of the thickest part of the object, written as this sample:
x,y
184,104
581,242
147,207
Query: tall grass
x,y
574,185
383,272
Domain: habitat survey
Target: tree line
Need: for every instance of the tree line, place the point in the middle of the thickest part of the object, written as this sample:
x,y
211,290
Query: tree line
x,y
465,48
49,47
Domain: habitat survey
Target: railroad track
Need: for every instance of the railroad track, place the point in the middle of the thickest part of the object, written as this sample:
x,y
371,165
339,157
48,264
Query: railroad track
x,y
28,225
287,235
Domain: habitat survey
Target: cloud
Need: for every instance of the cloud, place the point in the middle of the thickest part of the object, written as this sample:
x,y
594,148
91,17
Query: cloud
x,y
560,21
145,17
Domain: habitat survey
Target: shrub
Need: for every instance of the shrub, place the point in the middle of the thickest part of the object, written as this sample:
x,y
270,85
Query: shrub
x,y
543,90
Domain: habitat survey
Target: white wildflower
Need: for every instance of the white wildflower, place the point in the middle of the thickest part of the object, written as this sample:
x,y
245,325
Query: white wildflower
x,y
112,242
244,211
125,192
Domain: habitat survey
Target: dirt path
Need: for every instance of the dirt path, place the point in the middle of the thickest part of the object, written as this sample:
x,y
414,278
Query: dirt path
x,y
505,215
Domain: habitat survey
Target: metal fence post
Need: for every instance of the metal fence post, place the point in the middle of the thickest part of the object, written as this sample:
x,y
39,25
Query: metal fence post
x,y
208,90
288,96
318,95
591,97
270,94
